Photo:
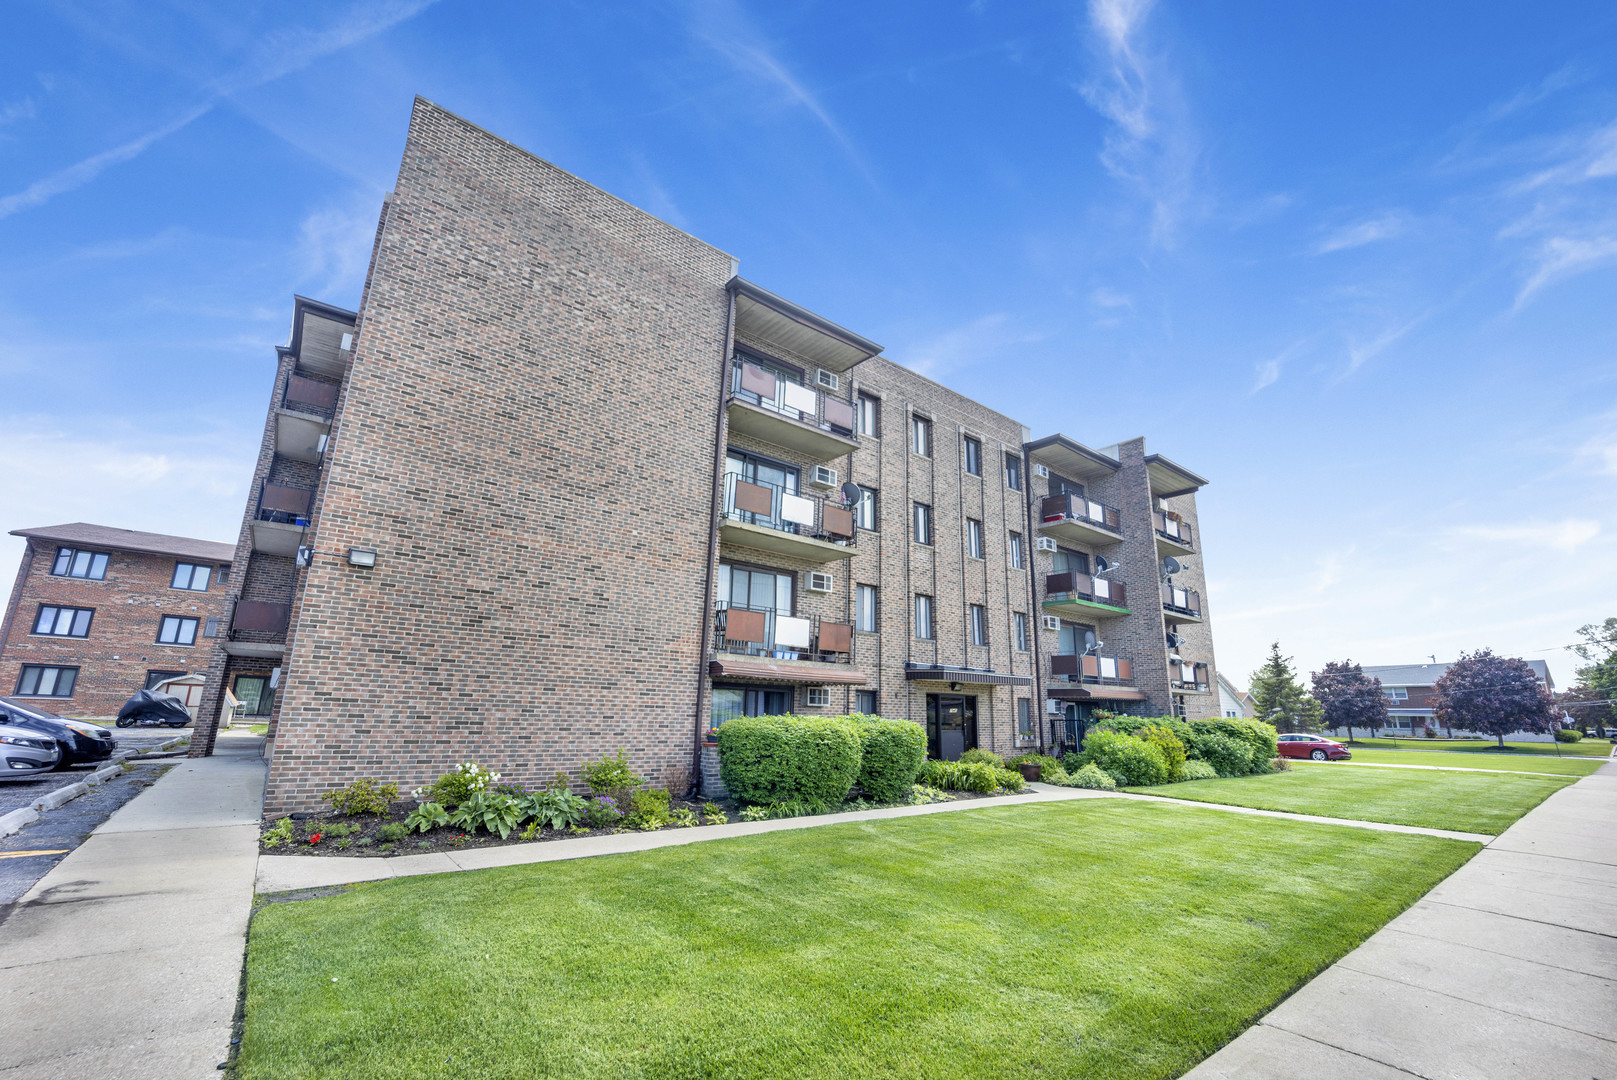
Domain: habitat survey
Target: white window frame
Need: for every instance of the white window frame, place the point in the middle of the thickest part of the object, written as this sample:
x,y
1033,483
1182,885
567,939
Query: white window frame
x,y
920,436
1016,551
926,624
866,608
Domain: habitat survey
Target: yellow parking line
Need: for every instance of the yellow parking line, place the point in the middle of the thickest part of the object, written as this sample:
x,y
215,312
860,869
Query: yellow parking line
x,y
20,854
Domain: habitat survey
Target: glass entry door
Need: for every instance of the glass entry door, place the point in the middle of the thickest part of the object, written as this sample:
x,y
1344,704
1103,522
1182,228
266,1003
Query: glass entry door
x,y
951,725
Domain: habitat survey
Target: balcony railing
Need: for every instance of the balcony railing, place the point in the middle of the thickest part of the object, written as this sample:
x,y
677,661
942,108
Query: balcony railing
x,y
1092,669
756,386
259,618
1182,676
310,396
284,503
773,507
1084,587
1170,526
771,634
1181,601
1069,507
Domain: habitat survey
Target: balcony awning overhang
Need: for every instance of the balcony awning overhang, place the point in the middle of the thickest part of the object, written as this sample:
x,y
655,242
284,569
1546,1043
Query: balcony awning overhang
x,y
786,671
762,314
941,673
1071,458
1169,479
1094,693
261,649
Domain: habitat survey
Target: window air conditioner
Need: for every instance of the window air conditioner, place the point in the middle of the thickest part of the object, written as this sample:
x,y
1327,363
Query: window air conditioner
x,y
1046,544
1042,471
817,695
828,379
819,581
1051,622
824,476
1054,707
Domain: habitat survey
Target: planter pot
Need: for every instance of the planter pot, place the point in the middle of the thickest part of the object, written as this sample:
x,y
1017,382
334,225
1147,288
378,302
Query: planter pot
x,y
1030,770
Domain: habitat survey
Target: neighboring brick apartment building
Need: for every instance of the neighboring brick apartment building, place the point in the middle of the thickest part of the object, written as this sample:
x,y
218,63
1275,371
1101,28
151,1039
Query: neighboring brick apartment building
x,y
1411,693
566,483
97,613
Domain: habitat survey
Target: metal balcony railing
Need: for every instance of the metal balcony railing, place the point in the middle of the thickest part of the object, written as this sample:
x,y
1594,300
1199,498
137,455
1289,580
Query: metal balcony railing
x,y
1170,526
1069,507
258,620
284,503
310,396
757,386
1092,669
1181,601
1084,587
770,634
1182,676
773,507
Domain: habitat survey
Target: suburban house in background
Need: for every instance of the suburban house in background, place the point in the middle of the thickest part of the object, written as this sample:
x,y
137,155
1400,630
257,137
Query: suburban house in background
x,y
566,483
1232,702
1410,690
98,613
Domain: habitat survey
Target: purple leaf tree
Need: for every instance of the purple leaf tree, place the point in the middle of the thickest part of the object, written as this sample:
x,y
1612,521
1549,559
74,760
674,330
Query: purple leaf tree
x,y
1348,698
1495,695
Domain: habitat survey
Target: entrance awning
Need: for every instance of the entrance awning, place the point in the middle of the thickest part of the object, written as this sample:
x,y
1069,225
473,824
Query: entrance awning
x,y
784,671
1094,693
940,673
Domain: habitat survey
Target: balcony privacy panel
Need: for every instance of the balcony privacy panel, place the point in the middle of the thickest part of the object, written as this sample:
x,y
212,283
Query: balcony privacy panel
x,y
748,626
257,615
1090,666
800,398
836,637
758,381
1125,670
1065,664
301,391
792,632
288,500
797,510
838,413
754,499
838,521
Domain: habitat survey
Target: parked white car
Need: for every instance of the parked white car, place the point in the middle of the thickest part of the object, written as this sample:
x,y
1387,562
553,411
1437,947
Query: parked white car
x,y
25,754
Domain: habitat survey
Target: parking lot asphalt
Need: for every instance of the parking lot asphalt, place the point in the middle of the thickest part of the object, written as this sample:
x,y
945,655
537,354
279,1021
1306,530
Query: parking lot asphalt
x,y
15,794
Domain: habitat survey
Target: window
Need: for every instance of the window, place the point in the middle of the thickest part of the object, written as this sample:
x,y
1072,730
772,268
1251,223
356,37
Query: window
x,y
974,456
868,416
732,701
921,435
224,575
923,617
63,621
36,681
817,695
1020,621
923,523
1024,718
71,562
977,615
210,627
254,694
1016,551
864,608
153,678
1395,693
1013,472
1071,562
177,630
865,701
864,511
974,538
191,576
1060,485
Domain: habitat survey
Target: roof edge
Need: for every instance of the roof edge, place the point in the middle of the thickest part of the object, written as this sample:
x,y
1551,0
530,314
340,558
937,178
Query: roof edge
x,y
798,313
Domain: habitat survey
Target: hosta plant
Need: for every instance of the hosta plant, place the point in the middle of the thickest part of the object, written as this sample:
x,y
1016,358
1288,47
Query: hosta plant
x,y
429,815
492,811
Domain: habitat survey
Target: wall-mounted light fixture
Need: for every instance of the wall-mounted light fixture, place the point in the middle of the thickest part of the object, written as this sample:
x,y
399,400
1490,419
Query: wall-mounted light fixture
x,y
954,688
361,557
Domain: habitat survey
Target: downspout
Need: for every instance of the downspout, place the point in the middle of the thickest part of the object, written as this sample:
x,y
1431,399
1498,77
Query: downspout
x,y
706,614
1029,558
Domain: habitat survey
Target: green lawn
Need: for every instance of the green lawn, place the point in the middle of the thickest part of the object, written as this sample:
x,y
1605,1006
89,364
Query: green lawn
x,y
1475,802
1567,766
1586,748
1103,938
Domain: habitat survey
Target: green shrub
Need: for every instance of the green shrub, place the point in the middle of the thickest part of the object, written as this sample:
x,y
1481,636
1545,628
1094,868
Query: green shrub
x,y
714,814
558,808
751,813
1568,734
393,832
982,757
429,815
1172,747
363,797
603,812
492,811
1198,770
279,833
338,829
970,776
1091,776
1072,761
1256,736
1051,771
1227,756
776,759
1127,760
683,818
921,795
611,776
648,810
891,755
455,786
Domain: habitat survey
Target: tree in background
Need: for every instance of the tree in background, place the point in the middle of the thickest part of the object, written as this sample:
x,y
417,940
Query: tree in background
x,y
1348,698
1278,698
1495,695
1589,701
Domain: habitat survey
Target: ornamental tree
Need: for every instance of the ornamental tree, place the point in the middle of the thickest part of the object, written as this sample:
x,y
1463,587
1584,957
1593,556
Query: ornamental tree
x,y
1494,694
1279,699
1348,698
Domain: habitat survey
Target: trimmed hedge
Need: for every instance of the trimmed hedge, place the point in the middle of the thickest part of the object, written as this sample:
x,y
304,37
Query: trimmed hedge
x,y
1172,747
1568,735
893,752
1127,760
1091,776
1199,770
970,776
1233,746
777,759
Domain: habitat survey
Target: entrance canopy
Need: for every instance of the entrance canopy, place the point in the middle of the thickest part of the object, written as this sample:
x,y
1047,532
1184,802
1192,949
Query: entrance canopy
x,y
978,676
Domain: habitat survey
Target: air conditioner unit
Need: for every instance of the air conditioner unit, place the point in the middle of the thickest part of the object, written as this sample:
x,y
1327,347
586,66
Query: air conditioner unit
x,y
1046,544
1054,707
1051,622
824,476
820,581
1042,471
817,695
828,379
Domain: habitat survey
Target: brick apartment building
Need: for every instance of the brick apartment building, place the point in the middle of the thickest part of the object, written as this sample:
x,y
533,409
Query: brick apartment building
x,y
97,613
1411,693
567,483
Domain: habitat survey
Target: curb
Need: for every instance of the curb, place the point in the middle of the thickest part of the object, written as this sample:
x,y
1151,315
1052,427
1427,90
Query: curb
x,y
62,795
13,822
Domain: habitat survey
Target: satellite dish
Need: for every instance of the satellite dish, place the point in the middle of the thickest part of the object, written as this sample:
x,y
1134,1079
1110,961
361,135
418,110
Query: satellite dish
x,y
1089,641
1170,565
1174,640
851,492
1102,565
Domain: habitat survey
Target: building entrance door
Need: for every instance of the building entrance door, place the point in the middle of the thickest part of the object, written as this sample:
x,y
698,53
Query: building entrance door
x,y
951,725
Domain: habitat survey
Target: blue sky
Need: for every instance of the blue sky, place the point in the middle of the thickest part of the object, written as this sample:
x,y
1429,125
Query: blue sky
x,y
1357,264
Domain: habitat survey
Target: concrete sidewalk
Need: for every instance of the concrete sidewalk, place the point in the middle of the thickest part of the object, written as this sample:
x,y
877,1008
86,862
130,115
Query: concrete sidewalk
x,y
124,961
1508,969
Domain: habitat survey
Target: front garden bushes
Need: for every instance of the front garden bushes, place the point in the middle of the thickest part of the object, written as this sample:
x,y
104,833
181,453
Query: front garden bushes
x,y
1091,776
363,797
1051,771
648,810
558,808
984,757
1127,760
1198,770
1568,735
493,811
1227,756
455,786
975,776
1173,750
777,759
891,755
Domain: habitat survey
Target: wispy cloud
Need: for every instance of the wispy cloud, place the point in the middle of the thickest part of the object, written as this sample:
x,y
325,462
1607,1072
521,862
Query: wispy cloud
x,y
1106,297
334,246
990,337
1566,535
1268,371
23,109
1561,257
278,55
1150,145
1360,352
1384,227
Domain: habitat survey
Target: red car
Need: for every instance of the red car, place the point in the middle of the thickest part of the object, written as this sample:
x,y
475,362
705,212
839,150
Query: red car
x,y
1312,746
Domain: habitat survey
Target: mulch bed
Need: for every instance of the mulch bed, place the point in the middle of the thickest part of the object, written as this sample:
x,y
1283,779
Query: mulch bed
x,y
366,842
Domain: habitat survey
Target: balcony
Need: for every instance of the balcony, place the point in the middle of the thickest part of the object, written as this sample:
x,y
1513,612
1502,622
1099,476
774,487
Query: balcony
x,y
765,644
257,628
1173,534
281,517
304,418
765,517
785,414
1188,678
1092,678
1079,521
1082,597
1181,605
